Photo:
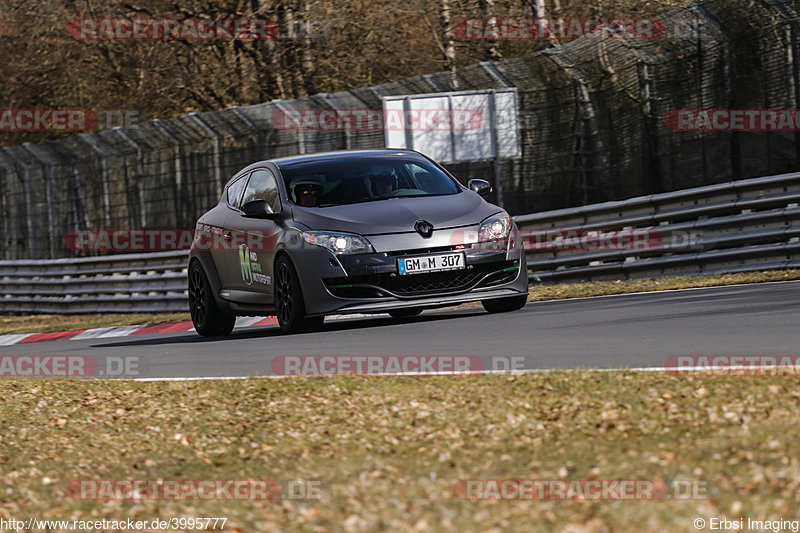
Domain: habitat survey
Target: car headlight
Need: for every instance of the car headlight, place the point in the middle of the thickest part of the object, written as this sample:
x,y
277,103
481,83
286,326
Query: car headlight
x,y
339,243
494,228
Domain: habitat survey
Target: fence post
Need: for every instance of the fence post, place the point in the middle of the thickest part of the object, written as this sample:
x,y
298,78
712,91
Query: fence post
x,y
178,181
592,143
792,60
730,84
301,139
78,210
327,98
253,126
217,150
104,170
8,218
140,170
26,182
47,165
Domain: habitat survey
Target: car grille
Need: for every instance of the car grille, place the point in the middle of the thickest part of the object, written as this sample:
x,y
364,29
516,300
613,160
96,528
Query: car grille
x,y
434,282
377,286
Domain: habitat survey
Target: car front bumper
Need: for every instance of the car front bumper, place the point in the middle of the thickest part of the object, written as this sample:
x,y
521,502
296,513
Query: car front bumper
x,y
370,283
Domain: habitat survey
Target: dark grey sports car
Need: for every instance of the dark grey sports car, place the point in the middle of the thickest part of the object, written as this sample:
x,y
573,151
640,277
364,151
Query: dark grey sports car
x,y
350,232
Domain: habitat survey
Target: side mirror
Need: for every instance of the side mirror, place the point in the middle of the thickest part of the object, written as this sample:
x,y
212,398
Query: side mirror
x,y
258,209
481,187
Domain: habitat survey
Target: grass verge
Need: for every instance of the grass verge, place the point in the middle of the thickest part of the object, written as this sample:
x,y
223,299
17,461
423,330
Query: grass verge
x,y
538,292
387,451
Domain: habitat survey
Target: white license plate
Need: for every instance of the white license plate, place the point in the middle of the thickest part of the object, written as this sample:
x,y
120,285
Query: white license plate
x,y
430,263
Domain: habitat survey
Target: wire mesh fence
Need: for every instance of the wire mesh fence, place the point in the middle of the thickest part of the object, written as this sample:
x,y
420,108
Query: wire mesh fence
x,y
592,114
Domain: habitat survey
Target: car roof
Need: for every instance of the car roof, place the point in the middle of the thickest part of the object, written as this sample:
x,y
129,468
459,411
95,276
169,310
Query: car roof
x,y
339,154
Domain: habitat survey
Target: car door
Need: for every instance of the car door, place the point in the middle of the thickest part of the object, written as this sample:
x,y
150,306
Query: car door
x,y
253,240
216,230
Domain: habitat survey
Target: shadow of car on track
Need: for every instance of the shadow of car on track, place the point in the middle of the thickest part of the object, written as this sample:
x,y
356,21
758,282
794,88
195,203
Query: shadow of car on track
x,y
273,331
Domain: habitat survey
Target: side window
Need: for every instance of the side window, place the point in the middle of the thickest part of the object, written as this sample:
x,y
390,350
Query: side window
x,y
234,191
262,186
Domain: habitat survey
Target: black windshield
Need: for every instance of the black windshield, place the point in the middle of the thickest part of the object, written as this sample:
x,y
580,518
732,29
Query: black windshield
x,y
331,182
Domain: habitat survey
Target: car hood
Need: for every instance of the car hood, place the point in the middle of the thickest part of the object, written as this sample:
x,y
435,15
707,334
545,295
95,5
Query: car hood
x,y
397,215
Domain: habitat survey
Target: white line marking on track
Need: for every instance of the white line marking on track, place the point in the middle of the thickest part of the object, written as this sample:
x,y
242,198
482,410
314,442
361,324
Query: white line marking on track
x,y
8,340
119,331
449,373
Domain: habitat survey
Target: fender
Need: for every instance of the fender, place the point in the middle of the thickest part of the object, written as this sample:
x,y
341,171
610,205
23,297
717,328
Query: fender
x,y
204,256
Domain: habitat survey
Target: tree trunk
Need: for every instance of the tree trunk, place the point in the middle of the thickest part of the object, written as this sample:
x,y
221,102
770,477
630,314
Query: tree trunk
x,y
448,40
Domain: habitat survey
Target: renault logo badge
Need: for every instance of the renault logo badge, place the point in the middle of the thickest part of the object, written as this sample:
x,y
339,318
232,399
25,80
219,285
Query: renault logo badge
x,y
424,228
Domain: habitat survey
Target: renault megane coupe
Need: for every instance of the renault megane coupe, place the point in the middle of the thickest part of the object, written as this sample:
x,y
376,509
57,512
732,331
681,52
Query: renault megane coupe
x,y
377,231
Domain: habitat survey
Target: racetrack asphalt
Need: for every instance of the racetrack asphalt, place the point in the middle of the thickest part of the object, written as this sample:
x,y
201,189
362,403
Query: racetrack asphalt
x,y
625,331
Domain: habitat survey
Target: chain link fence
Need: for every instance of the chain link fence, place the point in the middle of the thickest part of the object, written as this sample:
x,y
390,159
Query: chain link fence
x,y
592,128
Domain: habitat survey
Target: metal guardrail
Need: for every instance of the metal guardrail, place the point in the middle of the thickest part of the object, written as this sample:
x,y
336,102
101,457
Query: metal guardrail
x,y
738,226
147,282
733,227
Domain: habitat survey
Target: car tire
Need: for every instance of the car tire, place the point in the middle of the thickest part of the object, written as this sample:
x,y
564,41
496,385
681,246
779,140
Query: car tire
x,y
405,313
208,319
289,305
504,305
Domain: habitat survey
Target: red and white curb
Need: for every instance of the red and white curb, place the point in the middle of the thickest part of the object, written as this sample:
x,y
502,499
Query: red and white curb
x,y
124,331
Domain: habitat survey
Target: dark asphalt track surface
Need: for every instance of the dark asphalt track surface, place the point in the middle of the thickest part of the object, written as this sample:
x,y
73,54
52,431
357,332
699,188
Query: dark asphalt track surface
x,y
628,331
